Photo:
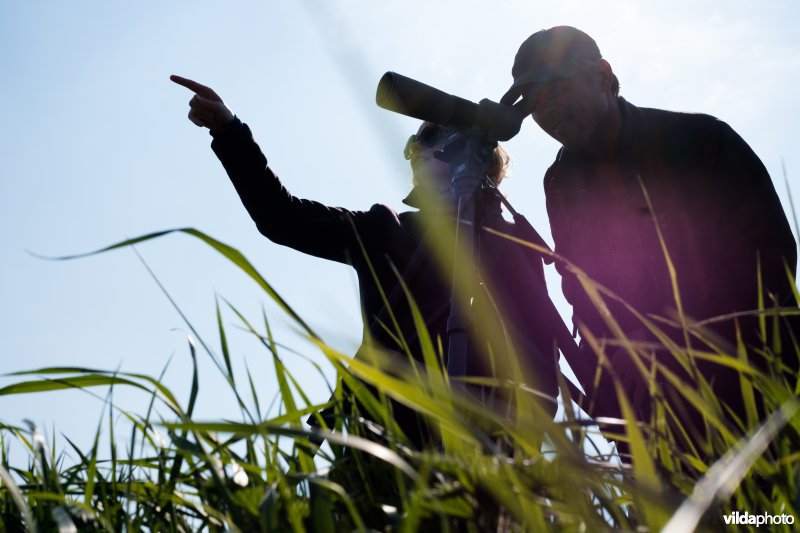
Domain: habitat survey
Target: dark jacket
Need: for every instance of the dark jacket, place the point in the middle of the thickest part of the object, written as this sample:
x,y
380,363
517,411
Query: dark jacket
x,y
716,208
379,243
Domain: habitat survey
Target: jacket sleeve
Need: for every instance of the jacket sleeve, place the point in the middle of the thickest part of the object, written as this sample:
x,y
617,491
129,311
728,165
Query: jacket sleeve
x,y
751,221
307,226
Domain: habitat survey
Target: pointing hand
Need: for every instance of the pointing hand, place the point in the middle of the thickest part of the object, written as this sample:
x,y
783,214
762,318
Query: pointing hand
x,y
207,109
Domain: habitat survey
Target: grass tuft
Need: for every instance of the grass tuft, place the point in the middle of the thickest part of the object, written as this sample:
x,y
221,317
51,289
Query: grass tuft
x,y
269,470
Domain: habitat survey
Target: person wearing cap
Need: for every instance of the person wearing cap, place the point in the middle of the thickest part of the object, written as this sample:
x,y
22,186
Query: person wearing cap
x,y
628,178
385,247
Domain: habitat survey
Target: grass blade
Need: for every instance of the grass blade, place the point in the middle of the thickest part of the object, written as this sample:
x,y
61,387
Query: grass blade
x,y
232,254
725,475
16,497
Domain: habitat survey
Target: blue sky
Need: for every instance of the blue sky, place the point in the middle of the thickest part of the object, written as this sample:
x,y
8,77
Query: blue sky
x,y
96,147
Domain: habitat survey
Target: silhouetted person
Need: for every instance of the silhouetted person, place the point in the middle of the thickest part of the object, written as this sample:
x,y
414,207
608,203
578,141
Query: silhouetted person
x,y
380,244
713,203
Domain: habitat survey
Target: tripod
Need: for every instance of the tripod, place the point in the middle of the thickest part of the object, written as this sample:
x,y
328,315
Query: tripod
x,y
469,156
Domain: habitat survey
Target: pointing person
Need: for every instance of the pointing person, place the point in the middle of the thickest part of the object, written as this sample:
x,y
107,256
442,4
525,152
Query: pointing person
x,y
380,243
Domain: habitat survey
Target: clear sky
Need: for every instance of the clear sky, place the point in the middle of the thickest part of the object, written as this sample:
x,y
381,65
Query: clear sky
x,y
95,147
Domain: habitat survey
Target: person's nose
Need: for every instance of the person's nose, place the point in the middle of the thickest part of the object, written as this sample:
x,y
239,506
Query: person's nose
x,y
546,100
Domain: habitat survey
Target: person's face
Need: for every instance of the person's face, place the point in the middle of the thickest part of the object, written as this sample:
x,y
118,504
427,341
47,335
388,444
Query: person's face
x,y
570,105
420,150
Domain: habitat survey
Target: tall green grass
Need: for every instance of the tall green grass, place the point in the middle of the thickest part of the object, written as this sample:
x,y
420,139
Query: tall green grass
x,y
484,472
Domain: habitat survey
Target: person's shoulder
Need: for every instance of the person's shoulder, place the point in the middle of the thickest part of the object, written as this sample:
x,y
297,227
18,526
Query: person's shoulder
x,y
376,226
381,216
382,211
383,228
688,123
679,135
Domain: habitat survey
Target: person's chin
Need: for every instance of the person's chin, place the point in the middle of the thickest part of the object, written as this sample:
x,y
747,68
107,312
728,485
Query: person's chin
x,y
570,140
567,142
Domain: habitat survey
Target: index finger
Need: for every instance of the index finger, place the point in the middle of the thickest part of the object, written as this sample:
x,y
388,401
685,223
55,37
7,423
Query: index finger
x,y
193,86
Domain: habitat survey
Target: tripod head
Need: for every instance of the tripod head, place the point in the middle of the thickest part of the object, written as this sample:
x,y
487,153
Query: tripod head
x,y
469,155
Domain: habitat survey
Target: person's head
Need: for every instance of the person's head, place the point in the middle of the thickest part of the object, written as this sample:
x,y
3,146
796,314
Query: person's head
x,y
565,85
429,139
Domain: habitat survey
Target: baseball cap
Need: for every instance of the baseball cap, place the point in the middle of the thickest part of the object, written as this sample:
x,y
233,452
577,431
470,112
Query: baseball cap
x,y
547,53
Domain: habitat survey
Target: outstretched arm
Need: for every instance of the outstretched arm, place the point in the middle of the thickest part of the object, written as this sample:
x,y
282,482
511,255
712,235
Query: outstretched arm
x,y
305,225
